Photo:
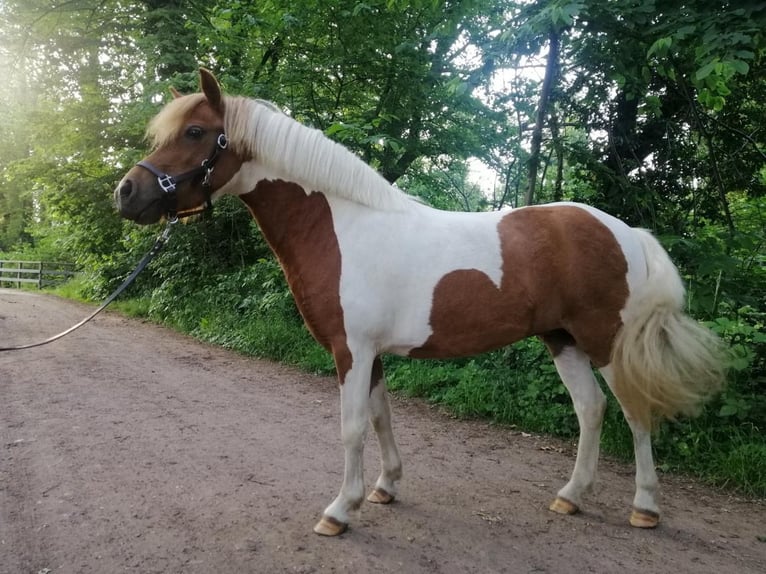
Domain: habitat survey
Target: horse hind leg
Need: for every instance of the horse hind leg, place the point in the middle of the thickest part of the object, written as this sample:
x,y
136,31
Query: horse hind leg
x,y
646,513
573,366
380,417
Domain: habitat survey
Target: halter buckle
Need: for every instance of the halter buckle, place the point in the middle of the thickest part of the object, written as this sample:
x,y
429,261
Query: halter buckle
x,y
167,183
207,181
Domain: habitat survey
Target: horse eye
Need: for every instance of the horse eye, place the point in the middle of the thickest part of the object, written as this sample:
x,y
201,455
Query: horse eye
x,y
194,132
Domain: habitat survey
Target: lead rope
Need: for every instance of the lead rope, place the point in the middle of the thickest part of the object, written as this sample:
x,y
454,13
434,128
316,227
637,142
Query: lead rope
x,y
158,245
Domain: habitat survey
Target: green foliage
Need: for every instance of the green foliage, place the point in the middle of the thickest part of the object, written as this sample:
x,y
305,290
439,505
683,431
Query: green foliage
x,y
444,184
507,386
382,77
714,45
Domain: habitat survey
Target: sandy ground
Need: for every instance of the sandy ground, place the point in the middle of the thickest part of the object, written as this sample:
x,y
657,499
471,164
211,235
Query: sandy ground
x,y
128,447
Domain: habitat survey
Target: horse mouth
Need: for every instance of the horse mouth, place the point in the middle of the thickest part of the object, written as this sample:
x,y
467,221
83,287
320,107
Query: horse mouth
x,y
151,213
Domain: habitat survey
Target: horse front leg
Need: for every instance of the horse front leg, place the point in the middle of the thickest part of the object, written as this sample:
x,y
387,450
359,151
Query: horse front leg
x,y
354,405
380,416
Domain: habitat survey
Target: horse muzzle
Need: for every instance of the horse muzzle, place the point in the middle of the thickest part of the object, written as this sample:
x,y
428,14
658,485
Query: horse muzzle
x,y
133,203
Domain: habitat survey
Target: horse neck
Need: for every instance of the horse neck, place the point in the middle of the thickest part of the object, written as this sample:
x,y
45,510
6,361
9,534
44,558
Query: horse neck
x,y
299,229
297,226
290,219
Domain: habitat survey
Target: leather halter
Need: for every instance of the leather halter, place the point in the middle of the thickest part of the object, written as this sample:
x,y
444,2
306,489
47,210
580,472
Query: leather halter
x,y
169,183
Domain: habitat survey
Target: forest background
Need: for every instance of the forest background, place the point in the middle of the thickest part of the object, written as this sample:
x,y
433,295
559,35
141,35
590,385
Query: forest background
x,y
652,111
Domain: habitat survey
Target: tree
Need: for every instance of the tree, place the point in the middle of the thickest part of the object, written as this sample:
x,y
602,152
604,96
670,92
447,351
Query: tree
x,y
389,79
444,183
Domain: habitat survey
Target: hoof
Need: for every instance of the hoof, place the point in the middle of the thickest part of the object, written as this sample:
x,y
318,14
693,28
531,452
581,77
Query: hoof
x,y
563,506
380,496
644,518
329,526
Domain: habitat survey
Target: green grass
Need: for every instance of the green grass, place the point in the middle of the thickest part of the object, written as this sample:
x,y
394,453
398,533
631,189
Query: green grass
x,y
72,289
274,335
138,308
515,386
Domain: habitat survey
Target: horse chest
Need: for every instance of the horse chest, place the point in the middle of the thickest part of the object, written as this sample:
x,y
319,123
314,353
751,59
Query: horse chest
x,y
299,229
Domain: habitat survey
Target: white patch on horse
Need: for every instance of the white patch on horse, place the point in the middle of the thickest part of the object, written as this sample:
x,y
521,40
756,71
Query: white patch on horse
x,y
388,298
244,181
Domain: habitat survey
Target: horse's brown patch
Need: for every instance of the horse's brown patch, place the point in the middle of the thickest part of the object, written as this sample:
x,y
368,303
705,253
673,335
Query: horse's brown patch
x,y
299,229
563,272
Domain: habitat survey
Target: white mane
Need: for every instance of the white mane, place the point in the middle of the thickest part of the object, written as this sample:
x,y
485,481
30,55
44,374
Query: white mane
x,y
305,155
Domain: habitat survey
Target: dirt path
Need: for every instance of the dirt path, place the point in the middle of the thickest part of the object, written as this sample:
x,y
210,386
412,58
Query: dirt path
x,y
127,447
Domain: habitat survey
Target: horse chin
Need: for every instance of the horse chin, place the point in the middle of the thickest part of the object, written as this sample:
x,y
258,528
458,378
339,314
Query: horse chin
x,y
146,218
152,213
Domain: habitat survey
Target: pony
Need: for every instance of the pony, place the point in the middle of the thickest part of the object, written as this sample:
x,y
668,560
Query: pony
x,y
373,271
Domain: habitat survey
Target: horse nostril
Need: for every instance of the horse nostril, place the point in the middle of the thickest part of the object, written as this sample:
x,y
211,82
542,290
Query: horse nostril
x,y
126,188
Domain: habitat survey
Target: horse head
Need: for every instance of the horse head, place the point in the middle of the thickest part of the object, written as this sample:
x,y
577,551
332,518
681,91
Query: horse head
x,y
190,160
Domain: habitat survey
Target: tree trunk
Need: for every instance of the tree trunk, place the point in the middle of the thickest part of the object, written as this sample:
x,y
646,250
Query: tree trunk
x,y
559,148
551,74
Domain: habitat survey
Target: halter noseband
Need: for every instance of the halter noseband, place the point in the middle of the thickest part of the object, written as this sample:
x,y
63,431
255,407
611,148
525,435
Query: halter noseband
x,y
168,183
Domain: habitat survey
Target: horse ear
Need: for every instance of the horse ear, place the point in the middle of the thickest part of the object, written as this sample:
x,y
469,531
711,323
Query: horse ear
x,y
210,88
176,93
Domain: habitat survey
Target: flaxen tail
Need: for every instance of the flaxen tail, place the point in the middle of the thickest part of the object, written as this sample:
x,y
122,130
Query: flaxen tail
x,y
664,362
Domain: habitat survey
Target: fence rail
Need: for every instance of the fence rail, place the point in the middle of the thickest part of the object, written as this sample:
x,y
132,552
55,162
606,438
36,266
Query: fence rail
x,y
38,273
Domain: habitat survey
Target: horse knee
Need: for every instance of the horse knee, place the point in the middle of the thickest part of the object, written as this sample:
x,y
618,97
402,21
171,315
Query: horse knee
x,y
590,411
353,431
599,406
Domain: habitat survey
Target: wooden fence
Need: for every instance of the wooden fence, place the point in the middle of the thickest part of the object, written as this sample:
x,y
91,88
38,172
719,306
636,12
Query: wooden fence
x,y
38,273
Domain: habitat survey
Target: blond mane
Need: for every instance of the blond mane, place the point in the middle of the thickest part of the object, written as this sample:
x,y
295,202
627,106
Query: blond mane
x,y
292,151
305,155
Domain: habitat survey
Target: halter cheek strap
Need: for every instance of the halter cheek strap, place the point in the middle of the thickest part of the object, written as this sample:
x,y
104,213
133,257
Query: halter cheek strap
x,y
169,183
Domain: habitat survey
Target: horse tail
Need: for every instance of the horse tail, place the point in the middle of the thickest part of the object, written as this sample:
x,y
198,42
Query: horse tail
x,y
664,362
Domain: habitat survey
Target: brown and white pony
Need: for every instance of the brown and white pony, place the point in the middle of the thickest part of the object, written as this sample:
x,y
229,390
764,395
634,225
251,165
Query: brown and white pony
x,y
373,271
